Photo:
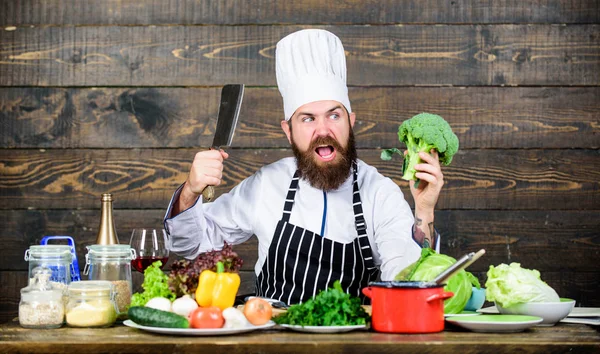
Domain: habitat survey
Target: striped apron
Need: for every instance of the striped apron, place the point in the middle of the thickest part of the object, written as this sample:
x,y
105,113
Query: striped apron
x,y
300,263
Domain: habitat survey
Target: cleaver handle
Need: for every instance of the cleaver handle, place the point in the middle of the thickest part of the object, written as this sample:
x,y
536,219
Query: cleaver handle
x,y
208,194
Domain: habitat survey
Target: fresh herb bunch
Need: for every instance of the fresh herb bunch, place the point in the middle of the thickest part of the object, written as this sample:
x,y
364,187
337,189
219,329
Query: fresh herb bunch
x,y
155,285
331,307
183,278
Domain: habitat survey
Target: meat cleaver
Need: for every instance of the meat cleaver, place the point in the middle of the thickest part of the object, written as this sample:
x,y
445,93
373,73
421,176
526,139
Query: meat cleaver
x,y
229,111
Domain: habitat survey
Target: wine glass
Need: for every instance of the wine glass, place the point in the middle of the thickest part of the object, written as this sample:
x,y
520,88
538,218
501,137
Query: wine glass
x,y
150,245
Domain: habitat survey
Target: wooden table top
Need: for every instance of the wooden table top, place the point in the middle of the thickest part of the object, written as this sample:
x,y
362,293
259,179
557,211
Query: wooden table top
x,y
562,338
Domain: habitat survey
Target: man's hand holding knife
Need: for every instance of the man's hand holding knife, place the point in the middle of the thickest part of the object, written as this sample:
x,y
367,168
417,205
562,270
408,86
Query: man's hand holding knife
x,y
207,167
207,170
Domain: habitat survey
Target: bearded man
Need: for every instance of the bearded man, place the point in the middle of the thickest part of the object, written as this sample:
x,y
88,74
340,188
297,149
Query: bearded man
x,y
322,215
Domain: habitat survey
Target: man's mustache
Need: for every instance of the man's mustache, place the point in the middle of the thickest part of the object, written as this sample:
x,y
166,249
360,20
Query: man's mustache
x,y
325,140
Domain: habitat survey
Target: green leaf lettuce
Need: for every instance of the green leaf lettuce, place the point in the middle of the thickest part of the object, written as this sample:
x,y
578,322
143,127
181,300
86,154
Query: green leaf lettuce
x,y
155,285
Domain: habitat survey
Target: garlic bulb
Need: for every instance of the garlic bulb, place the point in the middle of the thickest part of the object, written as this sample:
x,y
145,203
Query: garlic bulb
x,y
235,318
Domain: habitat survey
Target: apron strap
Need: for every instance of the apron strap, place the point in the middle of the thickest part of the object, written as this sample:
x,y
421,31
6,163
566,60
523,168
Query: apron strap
x,y
289,199
361,225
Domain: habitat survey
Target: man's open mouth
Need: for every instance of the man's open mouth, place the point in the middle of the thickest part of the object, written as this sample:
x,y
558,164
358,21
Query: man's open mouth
x,y
326,152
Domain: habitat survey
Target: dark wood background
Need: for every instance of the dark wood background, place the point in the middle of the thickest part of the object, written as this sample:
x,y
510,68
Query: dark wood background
x,y
117,95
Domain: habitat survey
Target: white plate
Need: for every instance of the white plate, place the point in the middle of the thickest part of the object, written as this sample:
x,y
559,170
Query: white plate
x,y
323,329
576,312
594,321
464,313
585,312
198,331
496,323
489,310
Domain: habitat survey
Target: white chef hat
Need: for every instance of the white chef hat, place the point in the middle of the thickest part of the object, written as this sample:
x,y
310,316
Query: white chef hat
x,y
311,66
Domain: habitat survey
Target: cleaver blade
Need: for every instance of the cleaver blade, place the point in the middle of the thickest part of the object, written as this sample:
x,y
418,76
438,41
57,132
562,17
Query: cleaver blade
x,y
229,111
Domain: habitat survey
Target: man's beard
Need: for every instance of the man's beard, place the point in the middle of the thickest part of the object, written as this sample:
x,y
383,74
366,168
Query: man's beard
x,y
327,176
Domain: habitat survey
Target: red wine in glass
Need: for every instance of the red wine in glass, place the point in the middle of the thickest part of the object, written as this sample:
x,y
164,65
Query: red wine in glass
x,y
141,263
150,246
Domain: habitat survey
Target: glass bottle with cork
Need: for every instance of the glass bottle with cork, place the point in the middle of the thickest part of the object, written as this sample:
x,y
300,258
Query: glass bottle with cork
x,y
107,233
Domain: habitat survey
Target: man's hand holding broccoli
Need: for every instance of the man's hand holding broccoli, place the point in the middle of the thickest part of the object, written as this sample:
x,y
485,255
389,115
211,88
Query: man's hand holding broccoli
x,y
422,133
430,142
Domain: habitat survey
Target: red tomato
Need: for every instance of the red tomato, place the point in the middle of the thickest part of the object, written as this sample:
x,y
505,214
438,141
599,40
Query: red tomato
x,y
258,311
207,317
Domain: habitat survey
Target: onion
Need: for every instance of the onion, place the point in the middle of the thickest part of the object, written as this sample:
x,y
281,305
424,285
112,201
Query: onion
x,y
159,303
184,305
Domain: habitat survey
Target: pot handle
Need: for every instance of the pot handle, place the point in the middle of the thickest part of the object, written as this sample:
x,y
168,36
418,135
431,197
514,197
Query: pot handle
x,y
443,296
367,292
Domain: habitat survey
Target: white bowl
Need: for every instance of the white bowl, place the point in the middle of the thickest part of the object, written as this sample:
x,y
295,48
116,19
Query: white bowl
x,y
550,312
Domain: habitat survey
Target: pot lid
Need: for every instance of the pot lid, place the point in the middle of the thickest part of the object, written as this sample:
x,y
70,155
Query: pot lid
x,y
405,284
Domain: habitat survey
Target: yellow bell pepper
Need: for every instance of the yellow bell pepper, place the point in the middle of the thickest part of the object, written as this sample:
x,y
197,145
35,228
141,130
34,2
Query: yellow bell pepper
x,y
217,289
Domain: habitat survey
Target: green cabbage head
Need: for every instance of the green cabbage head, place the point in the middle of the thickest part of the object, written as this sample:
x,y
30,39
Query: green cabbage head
x,y
429,266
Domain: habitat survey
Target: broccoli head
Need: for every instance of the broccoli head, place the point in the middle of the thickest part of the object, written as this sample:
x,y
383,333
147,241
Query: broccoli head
x,y
423,132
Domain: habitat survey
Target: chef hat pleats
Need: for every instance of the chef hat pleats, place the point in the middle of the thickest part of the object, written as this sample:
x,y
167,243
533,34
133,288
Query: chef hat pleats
x,y
311,66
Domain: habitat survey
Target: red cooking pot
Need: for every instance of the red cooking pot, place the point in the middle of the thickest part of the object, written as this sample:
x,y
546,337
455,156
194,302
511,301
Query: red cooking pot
x,y
407,306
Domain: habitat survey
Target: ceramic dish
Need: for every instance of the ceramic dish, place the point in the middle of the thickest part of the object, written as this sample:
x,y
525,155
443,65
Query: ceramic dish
x,y
575,312
496,323
323,329
463,313
551,312
197,331
490,310
594,321
584,312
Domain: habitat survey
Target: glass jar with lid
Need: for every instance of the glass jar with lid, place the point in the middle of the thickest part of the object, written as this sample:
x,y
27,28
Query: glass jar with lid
x,y
41,304
57,258
112,263
91,304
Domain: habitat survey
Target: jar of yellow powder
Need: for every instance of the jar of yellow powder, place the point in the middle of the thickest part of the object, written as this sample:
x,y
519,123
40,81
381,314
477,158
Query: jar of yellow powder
x,y
91,304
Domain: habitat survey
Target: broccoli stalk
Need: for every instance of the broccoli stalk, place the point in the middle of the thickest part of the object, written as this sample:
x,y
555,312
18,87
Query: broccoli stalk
x,y
423,132
414,147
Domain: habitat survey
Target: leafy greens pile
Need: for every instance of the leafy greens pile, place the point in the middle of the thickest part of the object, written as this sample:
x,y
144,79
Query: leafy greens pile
x,y
331,307
510,284
429,266
155,285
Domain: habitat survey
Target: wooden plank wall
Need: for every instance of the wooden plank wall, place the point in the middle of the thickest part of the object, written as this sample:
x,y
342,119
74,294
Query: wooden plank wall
x,y
117,95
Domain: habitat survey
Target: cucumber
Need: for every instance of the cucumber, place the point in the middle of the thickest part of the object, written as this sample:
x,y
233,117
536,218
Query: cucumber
x,y
150,317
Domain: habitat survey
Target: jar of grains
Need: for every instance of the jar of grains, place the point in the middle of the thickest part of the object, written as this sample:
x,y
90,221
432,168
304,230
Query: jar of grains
x,y
41,304
112,263
91,304
57,258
